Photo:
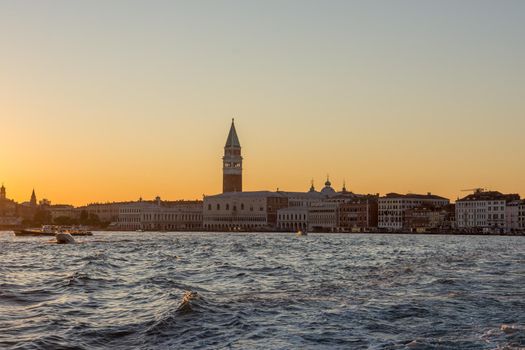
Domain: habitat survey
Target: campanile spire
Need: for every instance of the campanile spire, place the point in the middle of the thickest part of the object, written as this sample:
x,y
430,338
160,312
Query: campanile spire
x,y
232,162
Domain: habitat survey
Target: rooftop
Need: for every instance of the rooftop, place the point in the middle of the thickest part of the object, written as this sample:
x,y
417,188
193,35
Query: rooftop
x,y
414,196
490,196
248,194
233,139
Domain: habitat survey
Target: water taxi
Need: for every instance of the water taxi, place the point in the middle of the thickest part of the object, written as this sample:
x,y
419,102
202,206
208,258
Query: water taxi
x,y
52,230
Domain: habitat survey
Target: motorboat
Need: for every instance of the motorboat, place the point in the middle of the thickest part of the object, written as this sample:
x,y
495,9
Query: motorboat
x,y
64,238
45,230
76,231
53,230
302,233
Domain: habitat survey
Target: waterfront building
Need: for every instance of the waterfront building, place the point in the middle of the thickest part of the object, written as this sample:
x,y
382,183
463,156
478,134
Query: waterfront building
x,y
8,207
359,214
243,211
514,216
521,216
172,216
12,213
300,204
63,211
328,211
232,163
158,215
130,215
483,211
8,210
323,217
356,212
393,206
106,212
428,218
293,219
303,199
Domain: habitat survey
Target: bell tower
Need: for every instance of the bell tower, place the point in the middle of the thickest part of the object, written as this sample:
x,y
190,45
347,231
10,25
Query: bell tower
x,y
2,192
232,163
32,201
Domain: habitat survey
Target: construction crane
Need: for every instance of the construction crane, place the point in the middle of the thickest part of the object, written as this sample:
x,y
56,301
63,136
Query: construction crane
x,y
475,190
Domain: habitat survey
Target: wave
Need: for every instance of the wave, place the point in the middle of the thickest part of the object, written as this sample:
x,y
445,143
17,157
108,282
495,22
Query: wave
x,y
185,305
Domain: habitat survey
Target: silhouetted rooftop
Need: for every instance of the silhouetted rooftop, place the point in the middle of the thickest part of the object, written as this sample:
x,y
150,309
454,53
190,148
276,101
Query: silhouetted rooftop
x,y
490,196
415,196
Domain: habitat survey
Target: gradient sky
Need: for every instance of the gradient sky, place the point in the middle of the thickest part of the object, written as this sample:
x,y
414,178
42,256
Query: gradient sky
x,y
112,100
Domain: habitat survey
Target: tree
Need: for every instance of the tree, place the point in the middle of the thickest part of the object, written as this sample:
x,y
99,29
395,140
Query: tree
x,y
42,217
84,216
65,220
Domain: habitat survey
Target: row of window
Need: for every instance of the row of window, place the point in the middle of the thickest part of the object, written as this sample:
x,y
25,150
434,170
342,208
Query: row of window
x,y
292,216
128,210
238,219
234,207
479,203
481,216
129,219
193,217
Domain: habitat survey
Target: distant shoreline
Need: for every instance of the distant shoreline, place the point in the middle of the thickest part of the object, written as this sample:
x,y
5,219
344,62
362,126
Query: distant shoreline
x,y
521,234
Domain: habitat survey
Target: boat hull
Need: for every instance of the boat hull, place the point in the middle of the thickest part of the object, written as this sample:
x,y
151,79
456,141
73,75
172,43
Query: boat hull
x,y
33,233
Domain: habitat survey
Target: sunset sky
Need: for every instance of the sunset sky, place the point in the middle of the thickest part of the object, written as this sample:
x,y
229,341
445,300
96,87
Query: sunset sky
x,y
113,100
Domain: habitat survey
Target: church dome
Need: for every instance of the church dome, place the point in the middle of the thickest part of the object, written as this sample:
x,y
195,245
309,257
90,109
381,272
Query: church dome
x,y
328,190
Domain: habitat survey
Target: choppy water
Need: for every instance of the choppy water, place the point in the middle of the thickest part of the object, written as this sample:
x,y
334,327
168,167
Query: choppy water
x,y
263,291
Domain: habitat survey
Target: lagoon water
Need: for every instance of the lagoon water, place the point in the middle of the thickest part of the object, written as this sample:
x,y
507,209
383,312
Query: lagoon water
x,y
262,291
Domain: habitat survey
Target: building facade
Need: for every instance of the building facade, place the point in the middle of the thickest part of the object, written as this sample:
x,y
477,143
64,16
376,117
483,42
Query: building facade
x,y
158,215
521,217
512,216
323,217
63,211
358,215
483,211
243,211
172,216
130,215
106,212
426,218
14,214
293,219
393,206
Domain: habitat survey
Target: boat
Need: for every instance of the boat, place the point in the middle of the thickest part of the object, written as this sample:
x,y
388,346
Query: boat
x,y
301,233
52,230
45,230
75,231
64,238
